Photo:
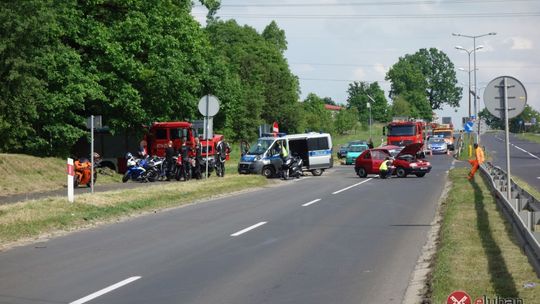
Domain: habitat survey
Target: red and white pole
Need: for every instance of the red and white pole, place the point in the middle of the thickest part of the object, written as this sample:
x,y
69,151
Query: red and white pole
x,y
70,176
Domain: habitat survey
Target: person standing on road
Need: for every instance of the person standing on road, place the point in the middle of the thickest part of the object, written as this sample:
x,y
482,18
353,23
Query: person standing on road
x,y
475,163
170,152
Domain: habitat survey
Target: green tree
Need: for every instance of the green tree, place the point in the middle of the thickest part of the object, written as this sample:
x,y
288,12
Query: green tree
x,y
316,116
358,97
401,107
346,120
429,71
276,36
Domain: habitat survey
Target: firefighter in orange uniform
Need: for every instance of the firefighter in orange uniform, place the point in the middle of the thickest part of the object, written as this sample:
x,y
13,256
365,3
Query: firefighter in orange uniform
x,y
475,163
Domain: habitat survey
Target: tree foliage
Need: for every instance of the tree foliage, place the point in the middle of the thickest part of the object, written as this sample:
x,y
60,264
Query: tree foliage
x,y
516,124
426,80
358,98
346,120
317,118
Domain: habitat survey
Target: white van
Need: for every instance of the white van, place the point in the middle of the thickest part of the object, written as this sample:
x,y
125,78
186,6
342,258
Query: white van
x,y
263,157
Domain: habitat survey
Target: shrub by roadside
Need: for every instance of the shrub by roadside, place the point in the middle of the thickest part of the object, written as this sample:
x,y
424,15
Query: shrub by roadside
x,y
477,251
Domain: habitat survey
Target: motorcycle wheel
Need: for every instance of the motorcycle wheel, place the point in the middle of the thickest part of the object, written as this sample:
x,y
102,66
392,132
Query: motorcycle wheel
x,y
125,178
152,176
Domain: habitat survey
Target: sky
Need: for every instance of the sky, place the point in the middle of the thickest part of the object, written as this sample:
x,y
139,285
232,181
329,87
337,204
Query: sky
x,y
332,43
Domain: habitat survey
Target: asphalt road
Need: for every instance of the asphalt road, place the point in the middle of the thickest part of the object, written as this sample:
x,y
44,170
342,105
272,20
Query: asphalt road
x,y
330,239
524,156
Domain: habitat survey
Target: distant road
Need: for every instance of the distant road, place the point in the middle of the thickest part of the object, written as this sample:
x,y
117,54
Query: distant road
x,y
524,156
330,239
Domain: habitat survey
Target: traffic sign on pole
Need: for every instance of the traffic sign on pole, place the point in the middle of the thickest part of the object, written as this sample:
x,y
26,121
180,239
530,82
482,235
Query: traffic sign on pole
x,y
208,106
505,97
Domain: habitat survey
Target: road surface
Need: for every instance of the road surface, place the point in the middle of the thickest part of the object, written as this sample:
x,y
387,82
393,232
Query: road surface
x,y
330,239
524,156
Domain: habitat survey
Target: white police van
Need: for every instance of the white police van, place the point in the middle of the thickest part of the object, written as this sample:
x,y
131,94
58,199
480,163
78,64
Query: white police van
x,y
264,158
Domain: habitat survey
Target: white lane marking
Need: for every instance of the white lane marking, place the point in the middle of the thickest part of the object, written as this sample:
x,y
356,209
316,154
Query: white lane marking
x,y
310,203
105,290
248,229
345,189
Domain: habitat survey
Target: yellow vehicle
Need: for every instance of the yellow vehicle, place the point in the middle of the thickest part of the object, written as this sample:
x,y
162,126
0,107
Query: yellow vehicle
x,y
447,133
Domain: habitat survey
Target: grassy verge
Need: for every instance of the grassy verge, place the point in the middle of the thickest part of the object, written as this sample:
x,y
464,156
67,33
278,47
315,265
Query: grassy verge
x,y
477,251
525,186
24,173
33,218
534,137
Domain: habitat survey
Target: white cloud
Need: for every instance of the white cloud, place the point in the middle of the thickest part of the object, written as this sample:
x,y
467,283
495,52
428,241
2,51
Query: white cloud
x,y
380,70
359,74
521,43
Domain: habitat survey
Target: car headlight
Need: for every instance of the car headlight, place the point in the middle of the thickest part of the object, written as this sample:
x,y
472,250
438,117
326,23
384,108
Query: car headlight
x,y
414,165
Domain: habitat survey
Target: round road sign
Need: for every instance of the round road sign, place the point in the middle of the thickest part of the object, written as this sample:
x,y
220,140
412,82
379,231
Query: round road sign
x,y
494,97
210,101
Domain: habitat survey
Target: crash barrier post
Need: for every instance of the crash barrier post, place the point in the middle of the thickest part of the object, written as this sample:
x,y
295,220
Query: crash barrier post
x,y
70,176
522,211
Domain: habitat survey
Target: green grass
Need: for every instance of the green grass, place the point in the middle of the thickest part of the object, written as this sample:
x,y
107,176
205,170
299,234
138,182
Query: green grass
x,y
24,174
477,251
27,220
534,137
525,186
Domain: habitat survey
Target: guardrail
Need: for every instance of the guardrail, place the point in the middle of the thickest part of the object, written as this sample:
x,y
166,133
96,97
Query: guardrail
x,y
522,211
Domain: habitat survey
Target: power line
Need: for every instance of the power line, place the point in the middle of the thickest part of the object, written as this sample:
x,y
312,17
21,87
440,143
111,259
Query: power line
x,y
400,16
366,3
529,66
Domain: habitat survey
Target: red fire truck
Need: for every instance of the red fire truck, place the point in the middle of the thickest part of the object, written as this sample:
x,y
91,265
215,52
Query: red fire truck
x,y
404,132
160,133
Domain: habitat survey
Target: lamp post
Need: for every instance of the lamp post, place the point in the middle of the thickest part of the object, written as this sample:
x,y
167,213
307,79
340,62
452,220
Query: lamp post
x,y
474,47
369,106
469,56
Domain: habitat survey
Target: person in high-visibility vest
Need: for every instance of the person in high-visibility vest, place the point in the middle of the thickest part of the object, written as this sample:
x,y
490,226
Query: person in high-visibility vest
x,y
475,163
384,169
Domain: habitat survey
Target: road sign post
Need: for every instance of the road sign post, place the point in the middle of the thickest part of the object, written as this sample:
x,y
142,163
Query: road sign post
x,y
208,106
70,175
92,122
505,97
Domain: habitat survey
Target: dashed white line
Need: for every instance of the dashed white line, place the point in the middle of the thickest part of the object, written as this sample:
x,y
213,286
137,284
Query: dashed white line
x,y
310,203
248,229
105,290
345,189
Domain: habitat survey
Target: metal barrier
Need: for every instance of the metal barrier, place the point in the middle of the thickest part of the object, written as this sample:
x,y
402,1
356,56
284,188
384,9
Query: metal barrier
x,y
522,211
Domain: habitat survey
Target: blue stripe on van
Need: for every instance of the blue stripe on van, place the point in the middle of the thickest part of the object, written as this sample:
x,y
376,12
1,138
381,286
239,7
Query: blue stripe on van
x,y
320,152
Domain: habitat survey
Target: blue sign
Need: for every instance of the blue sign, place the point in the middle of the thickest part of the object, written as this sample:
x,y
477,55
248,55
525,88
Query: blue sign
x,y
469,126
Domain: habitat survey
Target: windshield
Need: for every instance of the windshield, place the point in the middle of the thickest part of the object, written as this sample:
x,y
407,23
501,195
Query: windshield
x,y
436,140
357,148
260,146
443,133
404,130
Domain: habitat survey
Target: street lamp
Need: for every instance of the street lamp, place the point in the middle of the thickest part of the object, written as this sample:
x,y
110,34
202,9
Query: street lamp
x,y
469,56
474,47
369,107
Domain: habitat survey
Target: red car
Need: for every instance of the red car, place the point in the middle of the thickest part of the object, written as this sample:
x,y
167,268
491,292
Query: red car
x,y
405,162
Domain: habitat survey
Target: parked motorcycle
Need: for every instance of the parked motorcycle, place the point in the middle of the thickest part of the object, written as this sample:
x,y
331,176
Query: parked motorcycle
x,y
135,169
155,169
292,168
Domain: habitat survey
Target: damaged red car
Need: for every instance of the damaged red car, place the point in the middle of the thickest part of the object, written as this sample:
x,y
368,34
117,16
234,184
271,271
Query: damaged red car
x,y
407,161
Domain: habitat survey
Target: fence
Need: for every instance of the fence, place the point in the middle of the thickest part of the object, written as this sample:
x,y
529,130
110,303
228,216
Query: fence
x,y
522,211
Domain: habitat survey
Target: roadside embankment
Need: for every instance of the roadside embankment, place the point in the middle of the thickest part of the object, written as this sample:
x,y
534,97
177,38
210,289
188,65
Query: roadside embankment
x,y
477,251
21,173
27,221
